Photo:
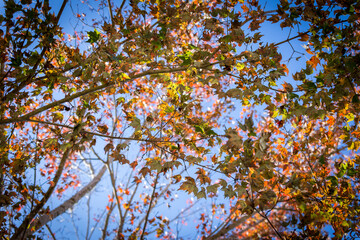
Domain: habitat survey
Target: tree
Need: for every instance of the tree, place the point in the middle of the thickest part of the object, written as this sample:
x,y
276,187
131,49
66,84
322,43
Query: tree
x,y
179,96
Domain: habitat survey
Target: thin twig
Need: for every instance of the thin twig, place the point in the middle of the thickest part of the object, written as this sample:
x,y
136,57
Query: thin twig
x,y
150,206
111,14
51,233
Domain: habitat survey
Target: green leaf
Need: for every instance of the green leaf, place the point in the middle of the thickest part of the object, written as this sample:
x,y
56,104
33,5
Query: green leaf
x,y
94,36
212,188
240,190
186,58
193,47
120,100
351,172
302,206
322,160
33,58
169,109
191,159
235,93
333,180
199,129
355,99
229,192
154,164
16,62
201,194
49,142
310,86
209,131
136,124
342,171
249,123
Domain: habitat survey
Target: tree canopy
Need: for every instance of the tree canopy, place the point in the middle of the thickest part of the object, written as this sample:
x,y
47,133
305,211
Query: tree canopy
x,y
144,101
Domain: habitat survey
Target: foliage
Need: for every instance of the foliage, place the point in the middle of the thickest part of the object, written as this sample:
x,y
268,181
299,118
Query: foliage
x,y
179,96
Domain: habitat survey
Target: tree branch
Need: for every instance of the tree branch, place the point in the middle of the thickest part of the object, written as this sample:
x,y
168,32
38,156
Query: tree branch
x,y
21,231
29,78
111,14
68,203
27,116
103,135
150,206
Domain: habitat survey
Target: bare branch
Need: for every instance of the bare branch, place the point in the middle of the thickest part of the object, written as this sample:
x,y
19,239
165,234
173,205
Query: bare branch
x,y
150,207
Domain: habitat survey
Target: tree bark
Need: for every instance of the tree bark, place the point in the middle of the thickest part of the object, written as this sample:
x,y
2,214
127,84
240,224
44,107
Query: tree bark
x,y
40,222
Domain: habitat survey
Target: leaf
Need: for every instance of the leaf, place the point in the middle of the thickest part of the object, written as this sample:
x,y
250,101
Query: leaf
x,y
102,129
35,56
304,37
94,36
285,69
144,171
199,129
191,159
16,61
322,159
240,66
333,180
50,142
314,61
229,192
201,194
249,123
108,147
240,190
154,164
57,116
356,99
235,93
269,195
186,58
177,178
203,176
136,124
189,186
212,188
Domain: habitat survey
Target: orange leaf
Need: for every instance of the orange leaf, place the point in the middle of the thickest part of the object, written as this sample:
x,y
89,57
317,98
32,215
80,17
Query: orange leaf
x,y
245,8
286,70
314,61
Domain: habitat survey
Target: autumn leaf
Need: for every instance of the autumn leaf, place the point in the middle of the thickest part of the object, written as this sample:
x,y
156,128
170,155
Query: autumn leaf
x,y
189,100
103,129
203,176
285,69
314,61
189,185
304,37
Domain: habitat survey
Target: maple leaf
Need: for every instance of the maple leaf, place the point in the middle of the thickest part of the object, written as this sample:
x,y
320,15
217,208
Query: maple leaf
x,y
203,176
189,185
170,84
94,36
103,129
314,61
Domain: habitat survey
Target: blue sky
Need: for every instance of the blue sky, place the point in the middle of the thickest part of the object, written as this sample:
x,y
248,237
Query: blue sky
x,y
63,226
